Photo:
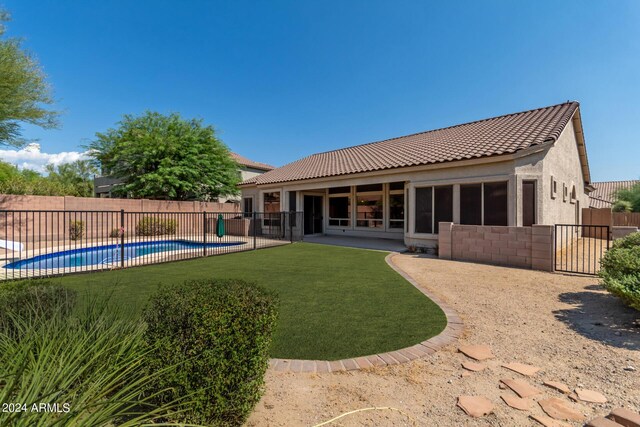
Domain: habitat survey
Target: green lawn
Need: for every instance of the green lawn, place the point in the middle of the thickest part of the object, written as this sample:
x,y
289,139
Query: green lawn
x,y
334,302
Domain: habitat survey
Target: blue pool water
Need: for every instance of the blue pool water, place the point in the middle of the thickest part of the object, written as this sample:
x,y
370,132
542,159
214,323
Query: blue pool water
x,y
108,254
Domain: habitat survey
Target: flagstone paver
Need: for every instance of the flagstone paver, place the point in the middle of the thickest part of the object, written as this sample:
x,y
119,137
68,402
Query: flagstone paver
x,y
561,387
449,335
602,422
625,417
558,409
521,368
476,352
474,367
521,388
516,402
548,421
475,406
590,396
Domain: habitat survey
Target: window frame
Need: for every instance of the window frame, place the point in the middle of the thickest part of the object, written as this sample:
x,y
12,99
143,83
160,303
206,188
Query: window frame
x,y
340,220
381,221
267,220
245,213
433,206
403,221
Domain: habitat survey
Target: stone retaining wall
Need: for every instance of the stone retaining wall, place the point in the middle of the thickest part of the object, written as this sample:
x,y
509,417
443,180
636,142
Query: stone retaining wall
x,y
523,247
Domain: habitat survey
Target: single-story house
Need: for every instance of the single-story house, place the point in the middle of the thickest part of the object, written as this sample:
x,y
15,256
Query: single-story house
x,y
103,185
604,193
518,169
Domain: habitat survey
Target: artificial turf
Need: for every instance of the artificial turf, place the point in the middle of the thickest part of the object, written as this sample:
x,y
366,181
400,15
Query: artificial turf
x,y
335,302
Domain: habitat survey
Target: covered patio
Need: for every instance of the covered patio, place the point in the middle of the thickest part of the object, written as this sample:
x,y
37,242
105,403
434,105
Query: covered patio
x,y
376,244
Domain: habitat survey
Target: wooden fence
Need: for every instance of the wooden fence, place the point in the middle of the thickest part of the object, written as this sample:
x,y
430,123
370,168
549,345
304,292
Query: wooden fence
x,y
604,216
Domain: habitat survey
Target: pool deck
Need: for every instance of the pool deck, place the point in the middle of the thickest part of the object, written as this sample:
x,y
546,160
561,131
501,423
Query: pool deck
x,y
154,258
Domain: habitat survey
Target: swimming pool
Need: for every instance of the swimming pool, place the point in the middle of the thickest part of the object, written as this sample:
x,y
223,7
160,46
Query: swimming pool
x,y
108,254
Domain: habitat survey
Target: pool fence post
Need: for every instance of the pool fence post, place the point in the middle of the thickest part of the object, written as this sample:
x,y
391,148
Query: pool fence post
x,y
255,223
291,225
204,233
122,238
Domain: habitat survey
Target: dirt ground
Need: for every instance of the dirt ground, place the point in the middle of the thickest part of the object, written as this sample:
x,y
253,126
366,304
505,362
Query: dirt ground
x,y
567,325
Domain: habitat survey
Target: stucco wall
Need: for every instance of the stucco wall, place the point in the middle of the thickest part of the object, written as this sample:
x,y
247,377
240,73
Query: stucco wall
x,y
562,162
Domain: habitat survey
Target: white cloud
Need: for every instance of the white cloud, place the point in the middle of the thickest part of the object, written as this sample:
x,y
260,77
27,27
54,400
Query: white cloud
x,y
30,157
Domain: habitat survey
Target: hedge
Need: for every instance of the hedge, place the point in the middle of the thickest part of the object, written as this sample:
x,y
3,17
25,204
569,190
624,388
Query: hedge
x,y
620,269
218,333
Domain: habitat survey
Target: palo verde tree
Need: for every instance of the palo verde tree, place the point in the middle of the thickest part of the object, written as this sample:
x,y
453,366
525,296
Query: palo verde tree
x,y
166,157
23,90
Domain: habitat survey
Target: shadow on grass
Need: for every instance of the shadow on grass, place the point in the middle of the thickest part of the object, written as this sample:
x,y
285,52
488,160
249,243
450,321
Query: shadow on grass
x,y
600,316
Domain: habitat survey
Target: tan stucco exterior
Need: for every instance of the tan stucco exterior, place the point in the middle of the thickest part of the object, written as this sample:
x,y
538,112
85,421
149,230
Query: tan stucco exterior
x,y
560,160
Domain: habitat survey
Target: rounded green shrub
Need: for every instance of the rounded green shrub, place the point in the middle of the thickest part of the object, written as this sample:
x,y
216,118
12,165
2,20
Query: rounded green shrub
x,y
620,269
217,334
152,226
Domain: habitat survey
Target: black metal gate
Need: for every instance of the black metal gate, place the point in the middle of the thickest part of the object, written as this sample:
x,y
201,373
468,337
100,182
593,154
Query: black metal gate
x,y
578,248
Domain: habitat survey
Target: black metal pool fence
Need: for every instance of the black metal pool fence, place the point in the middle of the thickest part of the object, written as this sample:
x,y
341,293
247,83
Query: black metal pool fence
x,y
46,243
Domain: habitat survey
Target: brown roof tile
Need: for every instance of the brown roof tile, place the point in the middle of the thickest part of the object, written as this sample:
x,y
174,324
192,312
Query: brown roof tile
x,y
483,138
243,161
604,194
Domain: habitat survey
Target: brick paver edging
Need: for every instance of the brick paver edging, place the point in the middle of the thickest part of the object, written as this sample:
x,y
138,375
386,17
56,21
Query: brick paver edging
x,y
450,334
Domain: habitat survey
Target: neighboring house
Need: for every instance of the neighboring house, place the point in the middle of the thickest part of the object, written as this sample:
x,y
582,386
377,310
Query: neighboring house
x,y
519,169
604,193
104,185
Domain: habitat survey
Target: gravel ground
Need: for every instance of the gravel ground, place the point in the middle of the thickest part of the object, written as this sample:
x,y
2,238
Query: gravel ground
x,y
566,325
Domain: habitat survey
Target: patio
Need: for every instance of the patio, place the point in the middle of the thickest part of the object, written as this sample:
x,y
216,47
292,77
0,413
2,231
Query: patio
x,y
375,244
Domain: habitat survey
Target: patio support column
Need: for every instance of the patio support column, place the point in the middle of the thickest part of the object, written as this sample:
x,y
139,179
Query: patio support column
x,y
456,203
444,240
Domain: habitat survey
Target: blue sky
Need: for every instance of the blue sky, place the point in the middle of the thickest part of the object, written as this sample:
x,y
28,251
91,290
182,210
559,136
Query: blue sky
x,y
281,80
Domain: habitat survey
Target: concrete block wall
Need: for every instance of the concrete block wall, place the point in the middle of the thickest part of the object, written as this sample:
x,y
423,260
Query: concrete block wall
x,y
523,247
34,227
618,232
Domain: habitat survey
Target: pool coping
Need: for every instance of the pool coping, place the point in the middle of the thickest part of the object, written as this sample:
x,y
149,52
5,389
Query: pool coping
x,y
449,335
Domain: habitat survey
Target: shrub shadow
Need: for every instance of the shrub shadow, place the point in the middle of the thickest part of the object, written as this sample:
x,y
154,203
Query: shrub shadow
x,y
600,316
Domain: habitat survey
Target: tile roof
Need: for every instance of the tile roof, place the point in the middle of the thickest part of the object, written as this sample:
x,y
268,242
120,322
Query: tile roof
x,y
604,194
243,161
483,138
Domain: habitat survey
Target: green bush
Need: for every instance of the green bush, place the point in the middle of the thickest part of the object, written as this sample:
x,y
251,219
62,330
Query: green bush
x,y
90,364
152,226
620,269
30,300
76,230
622,206
219,332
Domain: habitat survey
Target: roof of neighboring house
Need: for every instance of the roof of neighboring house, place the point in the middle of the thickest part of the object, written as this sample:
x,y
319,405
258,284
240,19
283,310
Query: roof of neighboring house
x,y
243,161
604,194
489,137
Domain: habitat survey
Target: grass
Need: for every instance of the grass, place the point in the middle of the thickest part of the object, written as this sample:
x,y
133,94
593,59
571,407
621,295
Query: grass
x,y
334,302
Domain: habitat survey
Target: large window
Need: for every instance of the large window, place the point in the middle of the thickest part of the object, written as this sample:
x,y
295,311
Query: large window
x,y
495,203
471,204
433,205
272,209
340,206
369,206
247,206
443,206
396,205
424,210
488,200
528,203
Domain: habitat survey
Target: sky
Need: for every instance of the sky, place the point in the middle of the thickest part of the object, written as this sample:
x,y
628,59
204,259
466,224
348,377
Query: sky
x,y
280,80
